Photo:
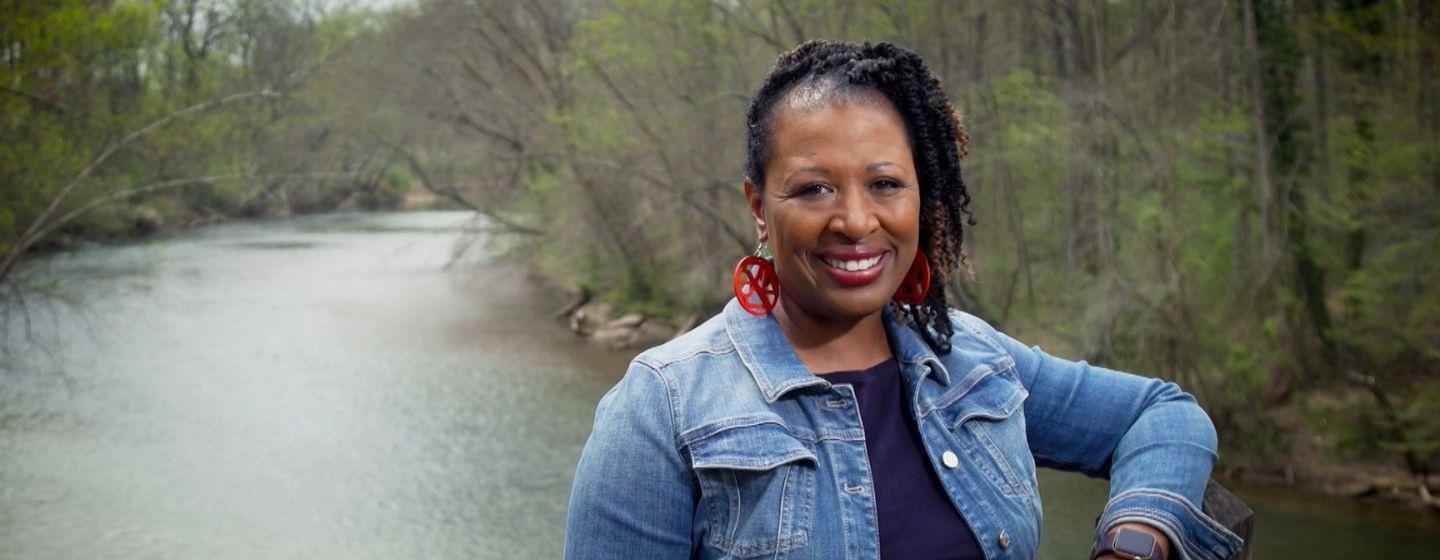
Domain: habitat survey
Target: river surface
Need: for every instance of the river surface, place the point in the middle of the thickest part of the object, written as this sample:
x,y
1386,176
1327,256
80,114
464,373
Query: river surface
x,y
325,387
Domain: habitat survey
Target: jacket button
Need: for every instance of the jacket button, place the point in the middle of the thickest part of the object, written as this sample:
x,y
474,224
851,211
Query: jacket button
x,y
1004,539
950,460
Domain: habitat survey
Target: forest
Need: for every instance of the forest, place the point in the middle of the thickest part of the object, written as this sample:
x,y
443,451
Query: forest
x,y
1239,195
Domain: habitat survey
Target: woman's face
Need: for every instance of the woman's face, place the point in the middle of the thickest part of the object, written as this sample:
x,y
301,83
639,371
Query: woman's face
x,y
840,207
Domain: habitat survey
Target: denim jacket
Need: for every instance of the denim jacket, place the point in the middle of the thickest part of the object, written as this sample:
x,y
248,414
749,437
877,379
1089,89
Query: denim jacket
x,y
721,444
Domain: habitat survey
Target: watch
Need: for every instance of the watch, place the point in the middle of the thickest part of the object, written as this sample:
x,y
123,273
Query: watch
x,y
1129,544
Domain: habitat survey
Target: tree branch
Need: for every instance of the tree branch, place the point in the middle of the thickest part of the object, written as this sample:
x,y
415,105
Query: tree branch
x,y
454,195
29,237
162,185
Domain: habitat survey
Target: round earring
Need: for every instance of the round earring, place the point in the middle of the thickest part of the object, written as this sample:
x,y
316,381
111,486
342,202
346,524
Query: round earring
x,y
916,283
756,286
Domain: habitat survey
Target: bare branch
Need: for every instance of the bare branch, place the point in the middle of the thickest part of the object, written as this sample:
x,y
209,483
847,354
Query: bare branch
x,y
29,237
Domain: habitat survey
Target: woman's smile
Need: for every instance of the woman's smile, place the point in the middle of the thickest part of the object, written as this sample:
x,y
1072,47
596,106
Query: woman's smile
x,y
853,266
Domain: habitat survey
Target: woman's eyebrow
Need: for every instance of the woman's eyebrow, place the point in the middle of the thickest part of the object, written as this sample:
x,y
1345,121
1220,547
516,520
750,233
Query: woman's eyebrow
x,y
820,170
879,164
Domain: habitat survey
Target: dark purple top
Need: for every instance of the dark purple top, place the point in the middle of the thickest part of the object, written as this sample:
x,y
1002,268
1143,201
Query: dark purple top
x,y
917,519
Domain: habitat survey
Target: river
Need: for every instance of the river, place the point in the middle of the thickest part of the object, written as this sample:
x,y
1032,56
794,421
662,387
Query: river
x,y
324,387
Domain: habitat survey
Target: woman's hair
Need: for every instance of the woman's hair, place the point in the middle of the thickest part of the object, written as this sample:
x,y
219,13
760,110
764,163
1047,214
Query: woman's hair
x,y
827,71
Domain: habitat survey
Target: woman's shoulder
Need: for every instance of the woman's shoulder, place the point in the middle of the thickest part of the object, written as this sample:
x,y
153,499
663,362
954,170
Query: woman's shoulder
x,y
975,342
703,376
967,326
707,340
701,362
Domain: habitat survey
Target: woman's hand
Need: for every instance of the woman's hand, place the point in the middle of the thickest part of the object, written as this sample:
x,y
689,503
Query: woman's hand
x,y
1160,539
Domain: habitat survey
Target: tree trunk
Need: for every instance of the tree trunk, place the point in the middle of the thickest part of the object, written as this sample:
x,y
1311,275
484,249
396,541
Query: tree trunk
x,y
1264,185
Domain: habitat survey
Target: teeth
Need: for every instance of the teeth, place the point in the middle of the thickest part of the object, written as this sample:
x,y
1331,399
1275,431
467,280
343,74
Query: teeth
x,y
853,266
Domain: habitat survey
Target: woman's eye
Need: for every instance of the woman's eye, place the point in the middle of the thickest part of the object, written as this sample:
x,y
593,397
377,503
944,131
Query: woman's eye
x,y
811,189
888,184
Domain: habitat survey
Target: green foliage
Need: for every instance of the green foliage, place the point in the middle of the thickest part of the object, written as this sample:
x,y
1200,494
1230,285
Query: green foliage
x,y
69,75
1347,426
1420,418
397,180
80,75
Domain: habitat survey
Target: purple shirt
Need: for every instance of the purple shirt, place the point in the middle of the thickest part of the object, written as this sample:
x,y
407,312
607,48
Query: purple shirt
x,y
917,519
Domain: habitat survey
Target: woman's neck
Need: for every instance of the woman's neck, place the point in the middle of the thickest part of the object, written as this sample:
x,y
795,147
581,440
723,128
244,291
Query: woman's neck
x,y
828,345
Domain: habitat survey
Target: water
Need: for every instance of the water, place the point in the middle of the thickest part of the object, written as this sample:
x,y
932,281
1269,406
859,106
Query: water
x,y
324,388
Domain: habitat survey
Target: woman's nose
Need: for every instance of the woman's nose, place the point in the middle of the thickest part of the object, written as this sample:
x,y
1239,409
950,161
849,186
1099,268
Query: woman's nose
x,y
855,216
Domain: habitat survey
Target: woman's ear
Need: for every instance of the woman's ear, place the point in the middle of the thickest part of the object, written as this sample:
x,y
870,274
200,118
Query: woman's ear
x,y
757,211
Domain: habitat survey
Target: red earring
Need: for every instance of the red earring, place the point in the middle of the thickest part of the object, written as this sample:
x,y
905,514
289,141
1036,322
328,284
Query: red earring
x,y
755,284
916,283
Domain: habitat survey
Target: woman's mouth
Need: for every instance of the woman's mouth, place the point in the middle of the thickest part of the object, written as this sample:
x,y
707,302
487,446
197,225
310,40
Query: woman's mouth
x,y
852,265
854,269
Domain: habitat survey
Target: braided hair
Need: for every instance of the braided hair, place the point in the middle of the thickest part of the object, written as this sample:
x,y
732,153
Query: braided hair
x,y
829,69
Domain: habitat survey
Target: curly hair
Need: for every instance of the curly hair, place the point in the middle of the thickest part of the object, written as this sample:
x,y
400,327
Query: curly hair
x,y
827,69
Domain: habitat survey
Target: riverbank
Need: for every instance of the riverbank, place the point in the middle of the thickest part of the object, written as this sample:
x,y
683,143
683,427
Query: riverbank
x,y
129,223
1369,482
1312,464
606,325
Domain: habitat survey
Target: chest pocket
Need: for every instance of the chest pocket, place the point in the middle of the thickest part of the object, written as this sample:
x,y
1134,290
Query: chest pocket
x,y
758,483
983,413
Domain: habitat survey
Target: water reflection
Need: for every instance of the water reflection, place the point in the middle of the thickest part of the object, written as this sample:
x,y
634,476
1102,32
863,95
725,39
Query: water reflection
x,y
317,388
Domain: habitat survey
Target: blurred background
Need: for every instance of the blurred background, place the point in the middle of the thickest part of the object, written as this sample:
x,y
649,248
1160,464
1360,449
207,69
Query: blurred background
x,y
345,279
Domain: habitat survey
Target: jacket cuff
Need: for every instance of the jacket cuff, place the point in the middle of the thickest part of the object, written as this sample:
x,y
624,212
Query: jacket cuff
x,y
1193,535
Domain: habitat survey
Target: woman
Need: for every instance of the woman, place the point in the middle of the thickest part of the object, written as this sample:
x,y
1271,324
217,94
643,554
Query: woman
x,y
838,408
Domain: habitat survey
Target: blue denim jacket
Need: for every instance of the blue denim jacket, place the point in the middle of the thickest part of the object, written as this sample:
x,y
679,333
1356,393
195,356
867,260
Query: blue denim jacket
x,y
721,444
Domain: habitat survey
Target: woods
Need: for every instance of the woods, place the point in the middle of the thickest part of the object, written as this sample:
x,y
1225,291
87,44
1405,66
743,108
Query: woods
x,y
1241,195
164,113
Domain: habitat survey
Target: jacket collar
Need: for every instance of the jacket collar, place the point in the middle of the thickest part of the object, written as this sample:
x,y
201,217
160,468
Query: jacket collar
x,y
777,370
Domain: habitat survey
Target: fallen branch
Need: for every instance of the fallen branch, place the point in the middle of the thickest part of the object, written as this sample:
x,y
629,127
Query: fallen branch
x,y
581,298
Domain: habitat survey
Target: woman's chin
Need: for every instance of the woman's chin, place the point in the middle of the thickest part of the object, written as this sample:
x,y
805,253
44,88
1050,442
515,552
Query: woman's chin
x,y
845,303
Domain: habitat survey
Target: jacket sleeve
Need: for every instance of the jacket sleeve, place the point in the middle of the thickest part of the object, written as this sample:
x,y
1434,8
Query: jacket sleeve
x,y
634,495
1147,436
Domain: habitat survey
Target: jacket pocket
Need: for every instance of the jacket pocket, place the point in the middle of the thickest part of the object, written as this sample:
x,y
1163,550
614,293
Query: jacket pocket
x,y
984,414
758,483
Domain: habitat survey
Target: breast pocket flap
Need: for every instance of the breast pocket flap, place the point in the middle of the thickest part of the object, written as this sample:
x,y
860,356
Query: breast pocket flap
x,y
991,392
757,447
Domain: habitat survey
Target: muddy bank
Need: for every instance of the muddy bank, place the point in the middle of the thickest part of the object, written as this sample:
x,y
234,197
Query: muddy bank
x,y
1363,482
604,325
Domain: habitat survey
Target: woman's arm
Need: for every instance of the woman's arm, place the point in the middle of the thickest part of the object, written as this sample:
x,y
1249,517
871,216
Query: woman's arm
x,y
1147,436
634,496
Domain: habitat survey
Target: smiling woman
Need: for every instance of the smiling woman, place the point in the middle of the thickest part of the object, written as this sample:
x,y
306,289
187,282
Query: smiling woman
x,y
839,408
